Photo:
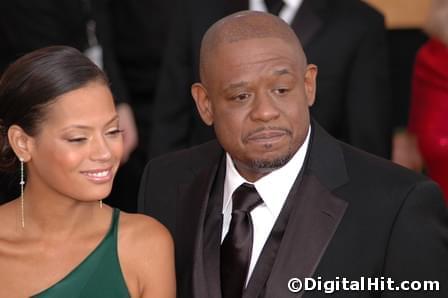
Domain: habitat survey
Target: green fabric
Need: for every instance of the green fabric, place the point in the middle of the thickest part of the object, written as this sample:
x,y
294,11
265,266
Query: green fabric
x,y
99,275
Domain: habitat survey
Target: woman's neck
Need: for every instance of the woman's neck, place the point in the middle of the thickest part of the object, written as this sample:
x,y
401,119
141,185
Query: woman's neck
x,y
48,213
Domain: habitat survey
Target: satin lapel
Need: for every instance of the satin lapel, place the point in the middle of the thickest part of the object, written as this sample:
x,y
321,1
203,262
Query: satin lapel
x,y
310,229
315,218
212,234
196,197
188,221
309,19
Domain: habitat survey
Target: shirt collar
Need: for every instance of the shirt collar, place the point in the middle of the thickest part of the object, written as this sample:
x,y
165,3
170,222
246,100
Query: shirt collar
x,y
293,3
260,4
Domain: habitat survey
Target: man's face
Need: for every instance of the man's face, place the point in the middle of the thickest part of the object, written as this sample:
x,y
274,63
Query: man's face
x,y
257,94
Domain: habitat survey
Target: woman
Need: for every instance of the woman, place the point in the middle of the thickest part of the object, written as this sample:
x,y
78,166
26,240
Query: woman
x,y
59,127
428,119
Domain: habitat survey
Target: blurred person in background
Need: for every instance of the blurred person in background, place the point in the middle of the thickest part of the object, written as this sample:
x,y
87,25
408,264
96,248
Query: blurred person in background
x,y
428,121
139,33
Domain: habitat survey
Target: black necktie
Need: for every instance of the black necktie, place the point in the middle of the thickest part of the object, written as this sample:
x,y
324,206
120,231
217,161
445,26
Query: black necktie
x,y
274,6
236,249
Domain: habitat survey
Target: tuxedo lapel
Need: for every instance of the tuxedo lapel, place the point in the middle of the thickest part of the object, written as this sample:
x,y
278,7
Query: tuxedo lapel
x,y
312,223
189,222
310,229
195,199
212,233
316,215
309,19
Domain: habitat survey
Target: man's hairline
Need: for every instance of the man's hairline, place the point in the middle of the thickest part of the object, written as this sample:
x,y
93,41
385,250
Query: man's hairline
x,y
290,41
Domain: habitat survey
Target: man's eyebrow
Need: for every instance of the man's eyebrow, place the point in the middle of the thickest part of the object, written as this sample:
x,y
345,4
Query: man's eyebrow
x,y
282,71
236,85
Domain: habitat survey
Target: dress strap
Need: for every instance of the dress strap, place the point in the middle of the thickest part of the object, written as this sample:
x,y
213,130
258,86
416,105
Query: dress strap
x,y
98,275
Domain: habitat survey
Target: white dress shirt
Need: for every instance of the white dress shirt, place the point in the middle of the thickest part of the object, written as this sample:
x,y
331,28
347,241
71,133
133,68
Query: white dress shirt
x,y
287,13
272,188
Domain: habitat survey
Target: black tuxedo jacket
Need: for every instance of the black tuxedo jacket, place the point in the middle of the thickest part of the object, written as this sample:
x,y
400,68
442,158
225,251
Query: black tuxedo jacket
x,y
356,215
344,38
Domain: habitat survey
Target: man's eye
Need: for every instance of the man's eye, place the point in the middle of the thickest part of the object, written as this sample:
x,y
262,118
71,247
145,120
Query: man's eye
x,y
241,96
281,90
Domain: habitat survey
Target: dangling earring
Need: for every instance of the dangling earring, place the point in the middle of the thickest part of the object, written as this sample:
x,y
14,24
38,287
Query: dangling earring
x,y
101,203
22,199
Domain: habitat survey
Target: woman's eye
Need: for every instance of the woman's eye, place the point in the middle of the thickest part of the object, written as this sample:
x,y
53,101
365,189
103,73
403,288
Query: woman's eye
x,y
77,140
115,132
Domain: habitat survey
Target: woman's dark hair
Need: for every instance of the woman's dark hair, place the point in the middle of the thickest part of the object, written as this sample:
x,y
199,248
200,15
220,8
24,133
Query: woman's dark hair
x,y
32,83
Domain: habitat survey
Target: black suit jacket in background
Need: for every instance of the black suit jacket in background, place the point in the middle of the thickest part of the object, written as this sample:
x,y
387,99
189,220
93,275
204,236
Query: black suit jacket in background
x,y
356,215
346,39
29,25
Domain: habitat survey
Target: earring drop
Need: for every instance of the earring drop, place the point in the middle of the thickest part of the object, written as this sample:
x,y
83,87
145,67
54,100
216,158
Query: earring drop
x,y
101,203
22,199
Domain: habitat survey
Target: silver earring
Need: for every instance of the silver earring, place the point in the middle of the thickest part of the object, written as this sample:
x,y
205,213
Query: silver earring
x,y
101,203
22,199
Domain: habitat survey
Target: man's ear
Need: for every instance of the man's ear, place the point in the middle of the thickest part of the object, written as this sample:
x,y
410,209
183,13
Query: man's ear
x,y
310,83
203,103
20,141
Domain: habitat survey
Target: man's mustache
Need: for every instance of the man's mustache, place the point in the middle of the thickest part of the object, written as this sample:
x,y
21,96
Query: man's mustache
x,y
266,128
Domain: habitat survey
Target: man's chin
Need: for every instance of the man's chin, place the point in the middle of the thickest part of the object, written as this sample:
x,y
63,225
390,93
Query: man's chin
x,y
270,164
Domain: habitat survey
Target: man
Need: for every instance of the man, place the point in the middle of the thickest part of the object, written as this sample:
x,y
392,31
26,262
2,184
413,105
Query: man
x,y
345,38
276,197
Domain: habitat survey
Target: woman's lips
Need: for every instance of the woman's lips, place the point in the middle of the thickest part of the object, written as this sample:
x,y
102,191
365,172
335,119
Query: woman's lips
x,y
98,175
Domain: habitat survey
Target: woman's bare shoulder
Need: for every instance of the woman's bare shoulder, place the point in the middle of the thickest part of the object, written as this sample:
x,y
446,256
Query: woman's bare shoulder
x,y
144,236
142,228
146,253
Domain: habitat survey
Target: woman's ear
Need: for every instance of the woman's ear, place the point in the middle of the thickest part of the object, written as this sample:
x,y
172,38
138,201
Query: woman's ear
x,y
20,142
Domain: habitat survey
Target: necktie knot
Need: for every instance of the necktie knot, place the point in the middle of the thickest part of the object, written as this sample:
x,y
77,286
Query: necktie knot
x,y
245,198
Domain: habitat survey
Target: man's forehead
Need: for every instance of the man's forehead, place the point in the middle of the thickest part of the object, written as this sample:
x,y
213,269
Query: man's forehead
x,y
253,52
245,27
235,83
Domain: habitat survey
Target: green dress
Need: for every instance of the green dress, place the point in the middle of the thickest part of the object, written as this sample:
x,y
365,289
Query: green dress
x,y
98,275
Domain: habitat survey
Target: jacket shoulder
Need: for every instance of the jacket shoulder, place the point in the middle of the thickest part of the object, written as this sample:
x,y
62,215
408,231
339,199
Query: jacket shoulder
x,y
191,158
378,172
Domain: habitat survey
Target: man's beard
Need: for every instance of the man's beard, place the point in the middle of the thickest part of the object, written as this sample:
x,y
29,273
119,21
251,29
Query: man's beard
x,y
270,164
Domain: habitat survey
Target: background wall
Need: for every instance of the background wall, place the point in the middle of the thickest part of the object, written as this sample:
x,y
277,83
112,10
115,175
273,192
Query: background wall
x,y
402,14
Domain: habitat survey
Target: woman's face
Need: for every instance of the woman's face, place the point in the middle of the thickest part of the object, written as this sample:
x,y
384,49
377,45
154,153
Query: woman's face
x,y
77,150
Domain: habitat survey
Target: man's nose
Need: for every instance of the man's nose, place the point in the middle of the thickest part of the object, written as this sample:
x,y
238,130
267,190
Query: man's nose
x,y
264,107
